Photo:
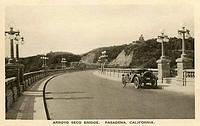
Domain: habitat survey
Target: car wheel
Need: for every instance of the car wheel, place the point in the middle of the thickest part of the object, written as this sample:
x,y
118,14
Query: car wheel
x,y
154,83
136,82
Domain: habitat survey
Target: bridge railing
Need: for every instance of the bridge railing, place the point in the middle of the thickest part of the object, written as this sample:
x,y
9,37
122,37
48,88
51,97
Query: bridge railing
x,y
188,75
11,91
117,72
32,77
16,85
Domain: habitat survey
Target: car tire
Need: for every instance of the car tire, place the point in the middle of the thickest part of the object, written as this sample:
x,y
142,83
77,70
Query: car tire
x,y
136,82
154,83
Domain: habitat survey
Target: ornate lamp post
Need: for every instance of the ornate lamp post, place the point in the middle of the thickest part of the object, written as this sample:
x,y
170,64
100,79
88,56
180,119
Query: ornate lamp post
x,y
184,33
18,40
12,68
11,34
183,62
100,63
44,59
63,62
162,39
163,62
103,59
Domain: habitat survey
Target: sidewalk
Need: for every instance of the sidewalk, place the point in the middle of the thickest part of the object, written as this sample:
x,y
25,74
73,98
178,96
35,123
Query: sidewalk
x,y
30,105
187,90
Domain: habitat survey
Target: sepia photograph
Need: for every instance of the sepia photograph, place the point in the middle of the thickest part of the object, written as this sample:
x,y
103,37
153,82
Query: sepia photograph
x,y
90,62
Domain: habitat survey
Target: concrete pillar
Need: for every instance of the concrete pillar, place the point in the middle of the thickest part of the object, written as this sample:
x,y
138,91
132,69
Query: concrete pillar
x,y
183,63
15,70
163,68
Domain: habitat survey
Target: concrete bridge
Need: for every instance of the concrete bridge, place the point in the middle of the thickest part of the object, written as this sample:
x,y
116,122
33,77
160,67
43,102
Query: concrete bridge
x,y
91,95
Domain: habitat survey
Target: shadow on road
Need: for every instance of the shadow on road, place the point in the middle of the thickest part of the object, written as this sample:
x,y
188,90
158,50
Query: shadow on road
x,y
150,87
71,98
72,92
146,87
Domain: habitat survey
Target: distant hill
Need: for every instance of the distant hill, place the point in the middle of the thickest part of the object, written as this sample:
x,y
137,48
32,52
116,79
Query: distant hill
x,y
55,58
34,63
141,54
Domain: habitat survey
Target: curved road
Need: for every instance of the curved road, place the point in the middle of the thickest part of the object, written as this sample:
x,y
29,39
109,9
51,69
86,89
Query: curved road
x,y
83,95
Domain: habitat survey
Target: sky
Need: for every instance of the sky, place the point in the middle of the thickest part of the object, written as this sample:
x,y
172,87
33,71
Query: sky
x,y
81,28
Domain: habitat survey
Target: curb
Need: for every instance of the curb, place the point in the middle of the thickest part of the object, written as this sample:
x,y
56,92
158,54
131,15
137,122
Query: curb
x,y
44,98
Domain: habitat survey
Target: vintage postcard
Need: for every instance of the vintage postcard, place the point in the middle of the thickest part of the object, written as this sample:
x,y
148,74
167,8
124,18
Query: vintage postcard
x,y
93,63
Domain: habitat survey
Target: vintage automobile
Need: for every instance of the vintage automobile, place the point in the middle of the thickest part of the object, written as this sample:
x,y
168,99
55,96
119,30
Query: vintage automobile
x,y
140,78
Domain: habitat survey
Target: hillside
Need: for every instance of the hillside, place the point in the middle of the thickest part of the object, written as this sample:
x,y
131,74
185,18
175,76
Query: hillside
x,y
93,55
141,54
34,63
122,59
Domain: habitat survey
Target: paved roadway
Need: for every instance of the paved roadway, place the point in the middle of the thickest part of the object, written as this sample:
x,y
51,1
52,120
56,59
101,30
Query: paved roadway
x,y
83,95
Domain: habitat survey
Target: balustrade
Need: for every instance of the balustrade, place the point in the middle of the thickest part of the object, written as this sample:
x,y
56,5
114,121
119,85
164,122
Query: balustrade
x,y
119,71
12,85
188,73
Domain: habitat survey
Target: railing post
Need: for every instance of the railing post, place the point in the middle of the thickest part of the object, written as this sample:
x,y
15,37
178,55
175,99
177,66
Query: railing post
x,y
13,93
29,80
33,77
36,77
25,83
20,78
6,100
18,81
183,78
118,73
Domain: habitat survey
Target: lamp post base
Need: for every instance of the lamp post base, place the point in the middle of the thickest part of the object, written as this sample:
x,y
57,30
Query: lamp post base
x,y
183,55
163,67
11,61
183,63
15,70
163,58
